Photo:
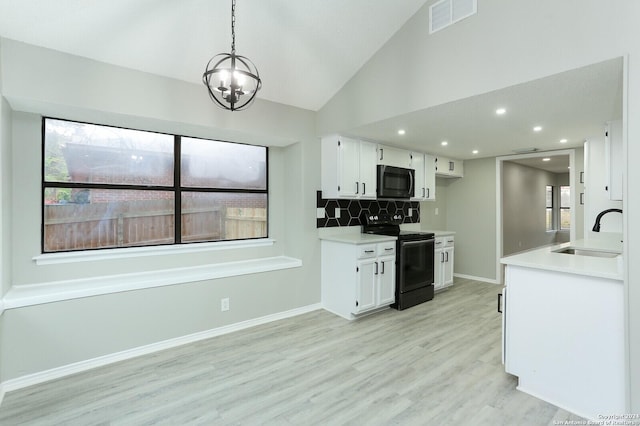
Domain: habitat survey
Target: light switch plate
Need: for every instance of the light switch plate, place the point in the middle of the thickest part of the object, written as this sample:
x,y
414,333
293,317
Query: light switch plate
x,y
410,212
337,211
319,213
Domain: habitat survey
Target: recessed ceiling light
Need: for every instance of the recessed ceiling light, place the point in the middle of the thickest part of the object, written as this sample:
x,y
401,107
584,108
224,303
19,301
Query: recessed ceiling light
x,y
501,111
563,141
444,143
546,159
475,151
537,128
401,132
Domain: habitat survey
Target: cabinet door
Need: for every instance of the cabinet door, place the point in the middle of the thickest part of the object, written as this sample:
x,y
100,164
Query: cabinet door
x,y
368,170
391,156
438,267
386,281
430,177
366,276
447,272
348,167
614,159
417,164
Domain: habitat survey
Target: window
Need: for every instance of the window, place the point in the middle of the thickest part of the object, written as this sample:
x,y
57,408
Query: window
x,y
107,187
565,207
549,207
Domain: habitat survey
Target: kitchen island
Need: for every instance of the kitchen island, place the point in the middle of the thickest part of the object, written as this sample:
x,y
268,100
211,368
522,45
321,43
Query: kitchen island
x,y
563,325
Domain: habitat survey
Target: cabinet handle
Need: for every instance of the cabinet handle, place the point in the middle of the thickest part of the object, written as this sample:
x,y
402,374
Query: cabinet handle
x,y
446,253
424,193
438,242
382,268
388,249
451,166
450,241
381,153
441,257
428,196
368,251
499,304
376,268
357,187
364,188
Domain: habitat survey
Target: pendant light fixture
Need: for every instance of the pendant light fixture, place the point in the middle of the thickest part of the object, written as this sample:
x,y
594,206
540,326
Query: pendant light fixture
x,y
232,80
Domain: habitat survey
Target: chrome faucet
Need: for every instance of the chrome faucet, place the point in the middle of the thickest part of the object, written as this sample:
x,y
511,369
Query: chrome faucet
x,y
596,226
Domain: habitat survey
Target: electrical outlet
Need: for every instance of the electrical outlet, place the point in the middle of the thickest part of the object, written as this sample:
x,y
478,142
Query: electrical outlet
x,y
410,212
337,212
436,211
224,304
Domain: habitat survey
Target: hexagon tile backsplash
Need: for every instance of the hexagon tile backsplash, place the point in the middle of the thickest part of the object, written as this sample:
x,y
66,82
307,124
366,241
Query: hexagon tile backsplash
x,y
339,212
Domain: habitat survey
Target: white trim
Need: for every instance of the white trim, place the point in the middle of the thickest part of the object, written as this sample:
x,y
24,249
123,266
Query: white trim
x,y
34,294
129,252
79,367
474,278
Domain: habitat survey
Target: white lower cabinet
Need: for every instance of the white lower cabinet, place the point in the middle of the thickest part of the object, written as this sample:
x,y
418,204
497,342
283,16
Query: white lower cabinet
x,y
358,278
443,262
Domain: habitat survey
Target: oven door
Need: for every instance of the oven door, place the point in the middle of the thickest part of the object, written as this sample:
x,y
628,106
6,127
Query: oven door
x,y
395,182
415,264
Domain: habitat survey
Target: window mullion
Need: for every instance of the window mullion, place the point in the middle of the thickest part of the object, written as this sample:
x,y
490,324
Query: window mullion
x,y
177,163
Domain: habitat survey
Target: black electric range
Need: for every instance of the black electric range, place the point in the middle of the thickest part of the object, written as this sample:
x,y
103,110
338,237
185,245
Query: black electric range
x,y
414,258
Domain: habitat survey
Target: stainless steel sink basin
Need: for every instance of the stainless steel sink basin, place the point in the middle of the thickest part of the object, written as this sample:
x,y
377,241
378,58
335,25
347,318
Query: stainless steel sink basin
x,y
586,252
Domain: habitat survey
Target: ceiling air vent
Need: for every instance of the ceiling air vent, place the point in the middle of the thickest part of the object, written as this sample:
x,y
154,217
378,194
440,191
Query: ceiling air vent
x,y
446,12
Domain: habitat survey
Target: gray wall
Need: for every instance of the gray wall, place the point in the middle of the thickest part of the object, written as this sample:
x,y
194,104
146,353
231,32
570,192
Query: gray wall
x,y
81,329
429,220
523,207
471,212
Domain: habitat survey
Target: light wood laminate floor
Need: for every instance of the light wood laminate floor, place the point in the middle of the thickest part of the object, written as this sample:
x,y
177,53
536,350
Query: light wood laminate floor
x,y
434,364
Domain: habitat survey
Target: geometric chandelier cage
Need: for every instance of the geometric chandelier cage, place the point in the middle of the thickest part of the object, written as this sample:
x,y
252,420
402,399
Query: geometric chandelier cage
x,y
232,80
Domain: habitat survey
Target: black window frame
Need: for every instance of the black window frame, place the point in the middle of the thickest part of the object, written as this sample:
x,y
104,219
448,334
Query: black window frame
x,y
176,188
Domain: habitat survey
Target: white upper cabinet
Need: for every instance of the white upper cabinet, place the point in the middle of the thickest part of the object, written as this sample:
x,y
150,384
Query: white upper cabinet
x,y
447,167
348,168
425,168
613,159
391,156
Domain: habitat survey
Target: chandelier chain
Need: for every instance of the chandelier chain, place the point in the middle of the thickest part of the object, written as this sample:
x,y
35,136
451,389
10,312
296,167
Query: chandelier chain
x,y
233,26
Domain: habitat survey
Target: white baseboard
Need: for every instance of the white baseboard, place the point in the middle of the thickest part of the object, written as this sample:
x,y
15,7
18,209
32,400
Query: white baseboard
x,y
78,367
482,279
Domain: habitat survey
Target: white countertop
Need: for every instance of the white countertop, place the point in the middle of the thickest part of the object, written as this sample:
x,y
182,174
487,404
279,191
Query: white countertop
x,y
359,238
546,258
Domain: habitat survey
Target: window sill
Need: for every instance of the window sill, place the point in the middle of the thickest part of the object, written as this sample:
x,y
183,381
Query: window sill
x,y
127,253
56,291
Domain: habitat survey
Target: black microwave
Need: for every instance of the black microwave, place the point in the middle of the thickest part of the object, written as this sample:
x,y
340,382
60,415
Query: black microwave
x,y
395,182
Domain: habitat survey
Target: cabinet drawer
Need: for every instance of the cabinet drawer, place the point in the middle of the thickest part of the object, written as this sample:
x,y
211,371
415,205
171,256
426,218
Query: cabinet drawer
x,y
365,251
448,241
442,242
387,248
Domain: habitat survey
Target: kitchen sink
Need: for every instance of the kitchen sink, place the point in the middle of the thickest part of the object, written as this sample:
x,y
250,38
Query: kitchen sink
x,y
586,252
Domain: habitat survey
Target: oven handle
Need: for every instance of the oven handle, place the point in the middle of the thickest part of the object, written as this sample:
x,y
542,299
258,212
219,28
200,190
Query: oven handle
x,y
416,242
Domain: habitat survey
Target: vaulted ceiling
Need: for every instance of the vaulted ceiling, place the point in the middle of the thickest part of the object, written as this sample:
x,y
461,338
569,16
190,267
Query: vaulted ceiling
x,y
305,51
